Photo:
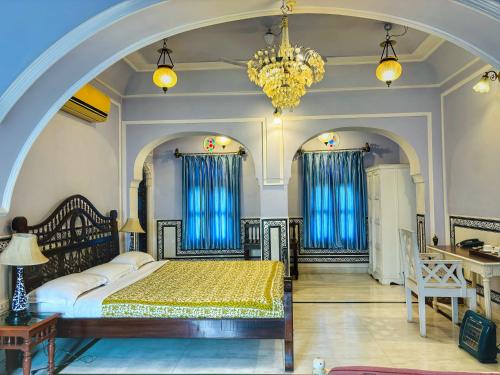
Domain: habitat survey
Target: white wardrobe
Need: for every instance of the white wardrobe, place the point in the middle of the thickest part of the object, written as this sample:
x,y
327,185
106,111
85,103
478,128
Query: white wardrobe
x,y
391,205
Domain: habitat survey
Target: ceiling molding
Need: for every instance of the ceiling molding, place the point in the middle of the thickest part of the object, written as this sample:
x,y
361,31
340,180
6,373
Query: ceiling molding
x,y
258,92
109,87
428,46
488,7
314,90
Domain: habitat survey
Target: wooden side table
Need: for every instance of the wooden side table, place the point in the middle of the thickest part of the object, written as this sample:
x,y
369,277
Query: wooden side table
x,y
41,327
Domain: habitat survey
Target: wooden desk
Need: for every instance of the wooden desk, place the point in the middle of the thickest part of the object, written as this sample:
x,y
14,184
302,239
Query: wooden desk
x,y
41,327
486,268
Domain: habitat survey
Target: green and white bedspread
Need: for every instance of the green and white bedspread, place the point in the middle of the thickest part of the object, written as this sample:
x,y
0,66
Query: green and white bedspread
x,y
203,289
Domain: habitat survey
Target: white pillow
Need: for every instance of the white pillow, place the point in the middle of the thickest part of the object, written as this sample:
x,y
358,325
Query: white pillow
x,y
66,289
135,258
111,271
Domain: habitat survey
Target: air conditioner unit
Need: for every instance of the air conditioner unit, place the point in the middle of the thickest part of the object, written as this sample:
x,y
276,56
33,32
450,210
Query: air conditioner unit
x,y
89,104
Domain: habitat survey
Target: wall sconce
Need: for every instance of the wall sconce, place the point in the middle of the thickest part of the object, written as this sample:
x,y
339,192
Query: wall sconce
x,y
483,86
277,120
223,141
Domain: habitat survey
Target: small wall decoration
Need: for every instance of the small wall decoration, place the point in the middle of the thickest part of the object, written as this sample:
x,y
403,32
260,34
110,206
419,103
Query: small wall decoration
x,y
330,139
333,142
209,144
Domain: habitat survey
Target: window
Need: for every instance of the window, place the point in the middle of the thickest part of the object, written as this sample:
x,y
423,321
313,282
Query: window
x,y
211,202
334,201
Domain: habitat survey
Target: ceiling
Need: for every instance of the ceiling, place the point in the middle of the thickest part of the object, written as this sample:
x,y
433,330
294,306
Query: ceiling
x,y
330,35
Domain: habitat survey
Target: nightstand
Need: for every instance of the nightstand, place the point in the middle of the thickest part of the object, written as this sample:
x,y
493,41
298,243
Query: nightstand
x,y
25,337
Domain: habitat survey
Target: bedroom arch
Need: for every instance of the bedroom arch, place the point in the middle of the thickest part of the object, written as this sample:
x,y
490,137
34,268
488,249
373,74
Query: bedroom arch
x,y
90,48
144,154
419,172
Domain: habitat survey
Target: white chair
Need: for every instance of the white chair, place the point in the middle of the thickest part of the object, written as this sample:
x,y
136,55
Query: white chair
x,y
428,276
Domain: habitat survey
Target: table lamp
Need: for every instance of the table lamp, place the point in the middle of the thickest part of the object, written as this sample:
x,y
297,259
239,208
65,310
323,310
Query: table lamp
x,y
132,225
21,251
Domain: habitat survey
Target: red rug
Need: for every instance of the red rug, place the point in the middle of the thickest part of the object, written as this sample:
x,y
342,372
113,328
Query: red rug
x,y
366,370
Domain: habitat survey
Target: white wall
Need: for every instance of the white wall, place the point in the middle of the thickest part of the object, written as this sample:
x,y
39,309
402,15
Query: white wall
x,y
472,154
168,178
70,157
472,157
384,151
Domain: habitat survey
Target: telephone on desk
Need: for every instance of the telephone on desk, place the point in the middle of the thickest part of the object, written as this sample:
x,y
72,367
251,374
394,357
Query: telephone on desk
x,y
470,243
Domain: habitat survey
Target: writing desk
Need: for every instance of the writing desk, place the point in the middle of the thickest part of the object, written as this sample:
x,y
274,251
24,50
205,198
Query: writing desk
x,y
486,268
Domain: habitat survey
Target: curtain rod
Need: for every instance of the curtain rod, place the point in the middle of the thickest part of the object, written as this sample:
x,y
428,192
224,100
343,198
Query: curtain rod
x,y
179,154
365,148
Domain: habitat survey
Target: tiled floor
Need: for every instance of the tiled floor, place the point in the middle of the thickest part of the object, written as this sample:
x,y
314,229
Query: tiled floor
x,y
347,319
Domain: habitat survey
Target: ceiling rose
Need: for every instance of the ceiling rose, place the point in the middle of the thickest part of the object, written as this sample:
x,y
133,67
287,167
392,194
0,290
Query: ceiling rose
x,y
284,72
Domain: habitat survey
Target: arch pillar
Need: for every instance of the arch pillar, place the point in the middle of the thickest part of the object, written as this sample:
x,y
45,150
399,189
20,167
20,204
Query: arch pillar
x,y
150,230
419,182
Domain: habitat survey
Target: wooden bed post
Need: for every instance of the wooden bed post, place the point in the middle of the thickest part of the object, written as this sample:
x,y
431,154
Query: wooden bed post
x,y
113,215
246,236
288,307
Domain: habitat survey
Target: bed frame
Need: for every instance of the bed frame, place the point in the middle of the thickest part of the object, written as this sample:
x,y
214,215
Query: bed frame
x,y
76,236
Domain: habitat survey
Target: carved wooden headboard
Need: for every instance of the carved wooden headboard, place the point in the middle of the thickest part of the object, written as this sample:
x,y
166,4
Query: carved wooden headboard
x,y
74,237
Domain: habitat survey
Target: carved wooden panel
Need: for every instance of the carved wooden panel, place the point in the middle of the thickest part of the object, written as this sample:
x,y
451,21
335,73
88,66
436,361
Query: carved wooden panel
x,y
74,237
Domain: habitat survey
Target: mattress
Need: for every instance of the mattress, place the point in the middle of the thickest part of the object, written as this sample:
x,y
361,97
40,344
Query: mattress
x,y
203,289
180,289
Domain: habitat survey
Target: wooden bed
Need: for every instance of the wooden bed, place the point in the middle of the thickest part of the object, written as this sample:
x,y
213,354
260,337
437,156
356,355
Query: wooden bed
x,y
76,236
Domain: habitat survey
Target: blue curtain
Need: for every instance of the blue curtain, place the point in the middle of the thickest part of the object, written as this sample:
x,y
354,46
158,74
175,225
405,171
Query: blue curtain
x,y
211,202
334,200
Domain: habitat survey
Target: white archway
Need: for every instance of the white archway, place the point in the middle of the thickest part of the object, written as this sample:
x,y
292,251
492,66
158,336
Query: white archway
x,y
413,158
145,149
79,56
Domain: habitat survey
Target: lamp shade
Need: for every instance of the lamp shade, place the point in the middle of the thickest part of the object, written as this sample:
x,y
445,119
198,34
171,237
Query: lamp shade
x,y
223,141
277,120
483,86
165,77
22,250
325,137
389,70
132,225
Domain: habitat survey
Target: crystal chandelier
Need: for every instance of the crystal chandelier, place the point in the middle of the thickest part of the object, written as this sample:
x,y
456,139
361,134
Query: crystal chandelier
x,y
285,71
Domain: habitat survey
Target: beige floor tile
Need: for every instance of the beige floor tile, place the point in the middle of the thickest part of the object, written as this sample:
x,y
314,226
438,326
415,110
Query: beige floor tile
x,y
370,330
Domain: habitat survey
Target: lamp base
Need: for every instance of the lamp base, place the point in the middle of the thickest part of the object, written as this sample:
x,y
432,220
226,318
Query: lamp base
x,y
18,318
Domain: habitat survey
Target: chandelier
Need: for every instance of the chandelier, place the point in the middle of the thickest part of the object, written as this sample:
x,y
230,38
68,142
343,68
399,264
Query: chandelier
x,y
285,71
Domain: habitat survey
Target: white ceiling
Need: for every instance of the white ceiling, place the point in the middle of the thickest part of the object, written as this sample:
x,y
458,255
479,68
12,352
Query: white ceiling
x,y
330,35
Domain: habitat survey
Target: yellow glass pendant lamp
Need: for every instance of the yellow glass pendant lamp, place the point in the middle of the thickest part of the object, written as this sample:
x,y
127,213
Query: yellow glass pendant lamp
x,y
389,69
164,76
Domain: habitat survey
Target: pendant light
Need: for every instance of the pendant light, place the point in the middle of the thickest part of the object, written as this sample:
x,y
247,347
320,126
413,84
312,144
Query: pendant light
x,y
164,76
389,69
